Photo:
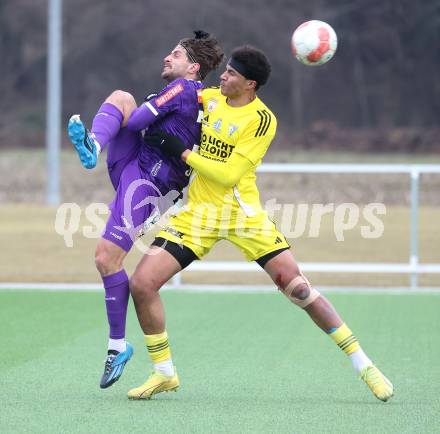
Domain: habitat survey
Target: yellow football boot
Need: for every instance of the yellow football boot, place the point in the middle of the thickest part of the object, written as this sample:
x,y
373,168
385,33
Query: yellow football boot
x,y
377,382
156,383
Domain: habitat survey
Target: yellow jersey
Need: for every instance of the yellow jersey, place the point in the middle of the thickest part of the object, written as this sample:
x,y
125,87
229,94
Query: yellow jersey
x,y
233,142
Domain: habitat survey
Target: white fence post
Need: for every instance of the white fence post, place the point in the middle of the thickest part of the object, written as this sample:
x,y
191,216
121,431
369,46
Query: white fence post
x,y
414,253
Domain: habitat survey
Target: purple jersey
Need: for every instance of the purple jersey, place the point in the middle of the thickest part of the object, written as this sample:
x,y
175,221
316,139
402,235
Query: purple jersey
x,y
177,109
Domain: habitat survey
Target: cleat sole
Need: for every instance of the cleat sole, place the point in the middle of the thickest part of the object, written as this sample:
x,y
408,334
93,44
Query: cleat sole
x,y
149,397
77,133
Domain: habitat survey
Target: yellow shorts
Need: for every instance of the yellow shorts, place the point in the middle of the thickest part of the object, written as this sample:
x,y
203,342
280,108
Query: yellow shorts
x,y
254,236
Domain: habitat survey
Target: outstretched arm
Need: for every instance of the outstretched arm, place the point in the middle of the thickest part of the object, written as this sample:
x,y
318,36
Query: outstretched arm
x,y
156,106
226,173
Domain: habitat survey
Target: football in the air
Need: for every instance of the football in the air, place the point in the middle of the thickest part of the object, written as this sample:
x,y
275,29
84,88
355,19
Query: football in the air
x,y
314,43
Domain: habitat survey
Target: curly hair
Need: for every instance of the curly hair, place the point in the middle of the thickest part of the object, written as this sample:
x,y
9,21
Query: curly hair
x,y
203,49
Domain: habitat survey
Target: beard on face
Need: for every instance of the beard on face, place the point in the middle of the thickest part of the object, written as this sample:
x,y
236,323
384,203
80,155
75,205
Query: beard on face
x,y
167,74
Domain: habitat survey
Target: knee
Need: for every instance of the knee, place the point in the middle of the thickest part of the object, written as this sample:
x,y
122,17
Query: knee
x,y
141,288
135,284
105,262
297,285
299,291
121,97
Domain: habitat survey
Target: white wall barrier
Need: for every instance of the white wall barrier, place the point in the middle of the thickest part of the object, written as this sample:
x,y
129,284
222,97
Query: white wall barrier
x,y
412,267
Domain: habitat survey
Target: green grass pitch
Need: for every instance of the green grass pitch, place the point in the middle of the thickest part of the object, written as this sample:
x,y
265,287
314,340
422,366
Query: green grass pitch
x,y
248,363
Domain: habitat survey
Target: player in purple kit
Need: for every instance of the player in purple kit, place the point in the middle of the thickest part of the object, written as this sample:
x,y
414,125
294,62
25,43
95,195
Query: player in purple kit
x,y
146,180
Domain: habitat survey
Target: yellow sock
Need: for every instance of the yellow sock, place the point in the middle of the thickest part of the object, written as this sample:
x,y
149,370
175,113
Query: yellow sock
x,y
158,347
344,339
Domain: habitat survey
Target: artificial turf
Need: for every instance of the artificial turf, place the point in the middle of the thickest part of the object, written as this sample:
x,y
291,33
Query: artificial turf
x,y
247,363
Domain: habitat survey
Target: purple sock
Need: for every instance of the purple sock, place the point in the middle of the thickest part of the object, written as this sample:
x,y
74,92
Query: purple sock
x,y
106,123
116,302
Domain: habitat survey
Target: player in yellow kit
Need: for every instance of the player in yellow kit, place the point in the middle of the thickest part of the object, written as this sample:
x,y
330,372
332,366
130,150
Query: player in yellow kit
x,y
223,203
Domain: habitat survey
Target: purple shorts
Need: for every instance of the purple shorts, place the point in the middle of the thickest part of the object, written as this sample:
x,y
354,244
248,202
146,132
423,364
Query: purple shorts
x,y
138,202
135,206
120,151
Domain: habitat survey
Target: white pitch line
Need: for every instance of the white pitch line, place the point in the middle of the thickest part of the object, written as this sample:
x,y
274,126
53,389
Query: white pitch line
x,y
237,289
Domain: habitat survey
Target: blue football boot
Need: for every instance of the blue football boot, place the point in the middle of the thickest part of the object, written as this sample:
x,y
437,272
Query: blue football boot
x,y
114,366
83,142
